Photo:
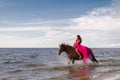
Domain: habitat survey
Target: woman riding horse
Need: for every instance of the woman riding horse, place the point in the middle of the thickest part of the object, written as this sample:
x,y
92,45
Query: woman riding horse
x,y
73,55
81,48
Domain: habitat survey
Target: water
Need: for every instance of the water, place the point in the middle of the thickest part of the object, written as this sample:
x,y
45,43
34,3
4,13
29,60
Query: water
x,y
46,64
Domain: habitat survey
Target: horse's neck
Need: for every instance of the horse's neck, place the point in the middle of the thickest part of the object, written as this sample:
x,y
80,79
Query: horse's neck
x,y
67,49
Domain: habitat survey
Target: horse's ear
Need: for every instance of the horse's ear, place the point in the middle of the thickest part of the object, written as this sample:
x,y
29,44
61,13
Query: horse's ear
x,y
59,45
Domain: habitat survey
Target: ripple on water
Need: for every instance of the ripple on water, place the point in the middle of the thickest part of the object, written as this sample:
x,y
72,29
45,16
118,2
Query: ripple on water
x,y
15,71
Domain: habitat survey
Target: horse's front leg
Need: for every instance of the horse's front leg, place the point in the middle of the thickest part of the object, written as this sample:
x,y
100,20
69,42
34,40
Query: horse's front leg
x,y
69,62
72,61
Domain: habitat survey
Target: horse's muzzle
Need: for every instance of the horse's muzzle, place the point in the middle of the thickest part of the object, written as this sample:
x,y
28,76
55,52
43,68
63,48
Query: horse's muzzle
x,y
59,53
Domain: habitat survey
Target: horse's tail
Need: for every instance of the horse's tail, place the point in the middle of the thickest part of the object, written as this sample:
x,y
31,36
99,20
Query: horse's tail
x,y
91,55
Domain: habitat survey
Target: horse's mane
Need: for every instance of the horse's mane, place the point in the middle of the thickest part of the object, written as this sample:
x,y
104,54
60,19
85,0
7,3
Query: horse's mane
x,y
67,45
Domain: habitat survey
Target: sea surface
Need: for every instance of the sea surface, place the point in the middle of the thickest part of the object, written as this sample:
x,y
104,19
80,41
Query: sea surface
x,y
46,64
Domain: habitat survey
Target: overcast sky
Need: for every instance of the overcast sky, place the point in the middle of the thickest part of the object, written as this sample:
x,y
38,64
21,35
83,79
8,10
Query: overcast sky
x,y
47,23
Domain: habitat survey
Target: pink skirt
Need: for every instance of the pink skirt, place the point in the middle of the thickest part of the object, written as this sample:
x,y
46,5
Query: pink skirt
x,y
82,49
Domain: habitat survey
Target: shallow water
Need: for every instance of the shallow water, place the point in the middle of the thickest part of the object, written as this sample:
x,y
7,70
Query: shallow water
x,y
46,64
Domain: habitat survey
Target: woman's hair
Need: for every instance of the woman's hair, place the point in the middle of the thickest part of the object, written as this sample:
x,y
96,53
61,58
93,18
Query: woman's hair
x,y
79,38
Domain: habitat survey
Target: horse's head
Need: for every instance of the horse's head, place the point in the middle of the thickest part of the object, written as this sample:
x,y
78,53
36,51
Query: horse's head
x,y
61,48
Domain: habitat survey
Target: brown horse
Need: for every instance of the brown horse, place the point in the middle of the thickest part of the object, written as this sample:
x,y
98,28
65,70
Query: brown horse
x,y
72,54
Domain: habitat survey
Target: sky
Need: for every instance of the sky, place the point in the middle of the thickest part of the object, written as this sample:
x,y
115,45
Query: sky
x,y
48,23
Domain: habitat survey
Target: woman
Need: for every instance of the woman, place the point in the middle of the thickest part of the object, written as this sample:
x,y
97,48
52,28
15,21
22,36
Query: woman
x,y
81,48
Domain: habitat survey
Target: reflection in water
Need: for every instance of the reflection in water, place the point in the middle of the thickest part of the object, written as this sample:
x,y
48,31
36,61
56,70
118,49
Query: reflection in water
x,y
83,73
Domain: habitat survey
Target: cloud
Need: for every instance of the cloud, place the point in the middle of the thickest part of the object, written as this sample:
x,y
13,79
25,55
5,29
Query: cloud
x,y
37,23
97,22
23,29
116,8
99,28
115,45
